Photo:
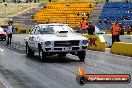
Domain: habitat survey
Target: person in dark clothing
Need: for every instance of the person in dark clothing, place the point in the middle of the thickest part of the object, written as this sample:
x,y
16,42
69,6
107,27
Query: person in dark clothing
x,y
90,6
129,30
127,1
122,28
91,28
107,0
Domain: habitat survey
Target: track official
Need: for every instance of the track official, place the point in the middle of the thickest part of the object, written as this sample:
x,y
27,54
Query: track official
x,y
83,26
115,30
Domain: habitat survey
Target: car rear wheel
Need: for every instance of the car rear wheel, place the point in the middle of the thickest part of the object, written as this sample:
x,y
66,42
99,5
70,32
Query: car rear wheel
x,y
29,52
42,55
81,55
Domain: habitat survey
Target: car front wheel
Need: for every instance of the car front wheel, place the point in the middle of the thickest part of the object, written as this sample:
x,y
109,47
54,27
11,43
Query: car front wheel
x,y
81,55
29,52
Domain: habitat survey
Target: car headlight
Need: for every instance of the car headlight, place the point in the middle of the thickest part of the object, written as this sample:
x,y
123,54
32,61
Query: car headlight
x,y
47,43
84,42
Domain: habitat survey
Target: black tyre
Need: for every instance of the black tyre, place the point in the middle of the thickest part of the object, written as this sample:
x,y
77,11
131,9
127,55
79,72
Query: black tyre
x,y
42,55
29,52
81,55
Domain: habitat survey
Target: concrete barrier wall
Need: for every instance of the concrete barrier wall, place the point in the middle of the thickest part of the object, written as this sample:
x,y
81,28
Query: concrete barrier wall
x,y
123,38
121,48
96,42
22,31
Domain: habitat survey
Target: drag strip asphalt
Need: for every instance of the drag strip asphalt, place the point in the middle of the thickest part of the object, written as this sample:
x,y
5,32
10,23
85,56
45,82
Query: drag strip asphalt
x,y
20,71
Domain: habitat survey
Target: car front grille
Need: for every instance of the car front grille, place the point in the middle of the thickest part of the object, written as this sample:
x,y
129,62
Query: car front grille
x,y
75,48
66,43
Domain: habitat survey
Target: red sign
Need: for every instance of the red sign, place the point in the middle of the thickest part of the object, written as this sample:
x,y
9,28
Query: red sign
x,y
92,42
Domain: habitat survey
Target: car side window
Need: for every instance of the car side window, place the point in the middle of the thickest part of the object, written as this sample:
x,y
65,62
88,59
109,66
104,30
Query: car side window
x,y
41,31
37,30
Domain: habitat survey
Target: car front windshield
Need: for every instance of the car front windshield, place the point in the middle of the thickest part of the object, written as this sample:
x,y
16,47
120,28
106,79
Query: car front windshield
x,y
63,28
46,30
51,29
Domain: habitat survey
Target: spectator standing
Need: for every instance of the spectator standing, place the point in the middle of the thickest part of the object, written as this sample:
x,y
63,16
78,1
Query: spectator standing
x,y
127,1
90,6
9,30
122,28
88,14
115,30
83,26
91,28
129,30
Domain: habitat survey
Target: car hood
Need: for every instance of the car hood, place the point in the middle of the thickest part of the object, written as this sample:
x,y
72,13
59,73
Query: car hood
x,y
54,37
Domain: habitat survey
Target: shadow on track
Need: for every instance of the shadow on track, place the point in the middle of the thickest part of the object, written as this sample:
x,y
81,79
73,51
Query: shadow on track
x,y
53,59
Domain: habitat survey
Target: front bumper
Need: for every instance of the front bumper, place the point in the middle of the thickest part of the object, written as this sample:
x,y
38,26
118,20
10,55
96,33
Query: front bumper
x,y
65,49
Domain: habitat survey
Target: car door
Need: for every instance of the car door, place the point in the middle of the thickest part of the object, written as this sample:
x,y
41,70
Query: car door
x,y
32,36
36,37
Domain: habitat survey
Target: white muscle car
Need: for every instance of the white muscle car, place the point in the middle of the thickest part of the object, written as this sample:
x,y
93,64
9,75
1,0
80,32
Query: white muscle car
x,y
55,38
